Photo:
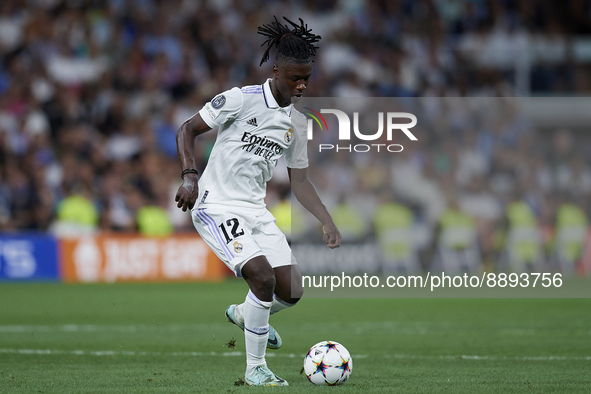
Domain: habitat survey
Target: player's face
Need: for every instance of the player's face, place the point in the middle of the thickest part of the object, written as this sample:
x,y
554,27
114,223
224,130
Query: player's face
x,y
292,80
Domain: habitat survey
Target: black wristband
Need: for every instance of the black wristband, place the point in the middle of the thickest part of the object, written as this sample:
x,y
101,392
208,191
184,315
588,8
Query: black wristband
x,y
188,171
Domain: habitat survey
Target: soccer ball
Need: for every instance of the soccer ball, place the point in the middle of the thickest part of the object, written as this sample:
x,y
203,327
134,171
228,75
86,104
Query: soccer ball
x,y
328,363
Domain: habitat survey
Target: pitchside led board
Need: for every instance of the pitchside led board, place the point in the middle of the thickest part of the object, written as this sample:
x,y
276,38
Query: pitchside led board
x,y
28,257
448,197
108,258
132,258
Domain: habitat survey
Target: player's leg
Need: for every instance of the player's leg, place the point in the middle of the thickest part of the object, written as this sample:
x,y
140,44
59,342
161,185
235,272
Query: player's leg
x,y
254,267
288,287
235,313
274,246
256,310
288,291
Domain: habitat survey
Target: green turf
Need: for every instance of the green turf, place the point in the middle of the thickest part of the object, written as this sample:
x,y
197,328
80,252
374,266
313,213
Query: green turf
x,y
163,338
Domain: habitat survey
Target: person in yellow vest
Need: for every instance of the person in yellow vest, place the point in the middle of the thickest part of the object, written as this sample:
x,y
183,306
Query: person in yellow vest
x,y
457,240
393,224
523,246
349,221
571,227
288,217
75,215
282,213
151,219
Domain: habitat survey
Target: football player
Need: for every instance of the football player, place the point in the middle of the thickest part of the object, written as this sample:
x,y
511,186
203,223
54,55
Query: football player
x,y
256,126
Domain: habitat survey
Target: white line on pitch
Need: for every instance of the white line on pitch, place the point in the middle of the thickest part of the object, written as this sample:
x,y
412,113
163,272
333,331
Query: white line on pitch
x,y
410,327
132,353
394,327
100,328
288,355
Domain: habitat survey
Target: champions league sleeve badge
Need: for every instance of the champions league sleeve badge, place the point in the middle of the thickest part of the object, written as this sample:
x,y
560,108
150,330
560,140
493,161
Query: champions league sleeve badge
x,y
287,136
218,101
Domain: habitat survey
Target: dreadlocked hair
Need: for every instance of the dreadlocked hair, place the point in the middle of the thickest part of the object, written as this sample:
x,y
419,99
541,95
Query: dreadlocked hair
x,y
295,44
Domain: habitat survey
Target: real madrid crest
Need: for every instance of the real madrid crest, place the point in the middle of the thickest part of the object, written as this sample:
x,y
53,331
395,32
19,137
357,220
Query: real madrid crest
x,y
237,247
287,136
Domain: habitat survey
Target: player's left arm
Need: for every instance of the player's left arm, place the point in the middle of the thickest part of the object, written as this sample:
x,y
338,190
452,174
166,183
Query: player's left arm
x,y
306,194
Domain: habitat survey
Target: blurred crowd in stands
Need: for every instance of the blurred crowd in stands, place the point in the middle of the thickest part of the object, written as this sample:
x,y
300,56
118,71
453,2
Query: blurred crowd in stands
x,y
92,93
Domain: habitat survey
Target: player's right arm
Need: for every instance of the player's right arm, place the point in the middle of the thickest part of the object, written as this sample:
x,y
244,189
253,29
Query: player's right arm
x,y
223,108
185,147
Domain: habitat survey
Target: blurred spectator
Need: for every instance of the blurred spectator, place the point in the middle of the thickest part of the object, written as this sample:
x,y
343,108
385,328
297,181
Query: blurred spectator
x,y
456,240
523,242
349,221
165,129
571,228
393,226
76,215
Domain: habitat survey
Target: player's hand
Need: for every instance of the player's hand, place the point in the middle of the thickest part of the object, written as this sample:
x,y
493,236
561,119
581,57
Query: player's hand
x,y
187,193
331,235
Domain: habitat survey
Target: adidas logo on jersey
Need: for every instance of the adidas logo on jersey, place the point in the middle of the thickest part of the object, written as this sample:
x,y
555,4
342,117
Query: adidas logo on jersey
x,y
253,122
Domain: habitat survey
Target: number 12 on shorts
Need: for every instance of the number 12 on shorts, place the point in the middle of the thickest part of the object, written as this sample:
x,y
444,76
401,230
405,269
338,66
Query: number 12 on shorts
x,y
233,224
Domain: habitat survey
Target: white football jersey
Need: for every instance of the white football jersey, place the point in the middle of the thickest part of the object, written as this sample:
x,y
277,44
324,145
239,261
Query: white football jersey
x,y
254,132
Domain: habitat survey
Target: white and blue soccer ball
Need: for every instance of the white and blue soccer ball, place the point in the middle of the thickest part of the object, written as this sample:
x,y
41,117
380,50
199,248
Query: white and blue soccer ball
x,y
328,363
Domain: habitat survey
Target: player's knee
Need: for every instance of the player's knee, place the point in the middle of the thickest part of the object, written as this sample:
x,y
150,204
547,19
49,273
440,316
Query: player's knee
x,y
264,280
267,283
262,285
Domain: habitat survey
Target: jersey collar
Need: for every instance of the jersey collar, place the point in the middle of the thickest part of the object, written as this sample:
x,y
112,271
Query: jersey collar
x,y
270,99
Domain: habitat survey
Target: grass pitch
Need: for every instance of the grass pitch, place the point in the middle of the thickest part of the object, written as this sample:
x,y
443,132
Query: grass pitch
x,y
173,338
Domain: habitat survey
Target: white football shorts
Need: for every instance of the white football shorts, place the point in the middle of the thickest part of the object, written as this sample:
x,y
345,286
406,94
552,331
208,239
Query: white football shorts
x,y
236,235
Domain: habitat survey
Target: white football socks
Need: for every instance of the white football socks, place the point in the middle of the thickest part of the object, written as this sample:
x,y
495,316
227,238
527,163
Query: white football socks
x,y
256,330
279,304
